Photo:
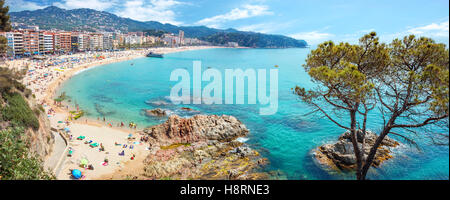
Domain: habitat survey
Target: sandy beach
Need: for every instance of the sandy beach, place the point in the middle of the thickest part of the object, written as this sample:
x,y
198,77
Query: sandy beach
x,y
45,77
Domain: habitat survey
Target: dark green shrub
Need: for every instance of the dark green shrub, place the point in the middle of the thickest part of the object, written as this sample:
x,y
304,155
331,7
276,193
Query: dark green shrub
x,y
37,111
16,161
27,93
41,108
19,112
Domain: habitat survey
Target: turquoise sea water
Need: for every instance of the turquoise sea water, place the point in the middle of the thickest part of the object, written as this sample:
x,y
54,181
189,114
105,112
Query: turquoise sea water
x,y
120,92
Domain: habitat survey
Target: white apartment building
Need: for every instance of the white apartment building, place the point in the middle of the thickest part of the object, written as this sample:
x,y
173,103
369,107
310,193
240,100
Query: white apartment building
x,y
133,39
95,41
83,42
10,43
47,42
18,43
181,37
108,41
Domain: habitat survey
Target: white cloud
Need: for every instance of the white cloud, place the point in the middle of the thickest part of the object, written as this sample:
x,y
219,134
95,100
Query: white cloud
x,y
438,31
313,37
92,4
432,30
20,5
150,10
245,11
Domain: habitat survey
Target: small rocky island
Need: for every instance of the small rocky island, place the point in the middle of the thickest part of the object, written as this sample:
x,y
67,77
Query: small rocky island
x,y
158,112
340,157
200,147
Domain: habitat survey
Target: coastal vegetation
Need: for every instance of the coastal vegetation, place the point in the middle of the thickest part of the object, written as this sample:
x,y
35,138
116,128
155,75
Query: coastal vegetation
x,y
153,32
4,26
16,159
16,116
18,112
175,145
406,80
13,106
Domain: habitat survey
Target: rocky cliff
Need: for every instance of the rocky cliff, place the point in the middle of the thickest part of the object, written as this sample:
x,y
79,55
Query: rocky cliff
x,y
200,147
25,120
41,140
197,128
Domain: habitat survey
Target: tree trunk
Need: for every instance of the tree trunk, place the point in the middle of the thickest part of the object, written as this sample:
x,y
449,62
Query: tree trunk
x,y
374,148
356,149
363,138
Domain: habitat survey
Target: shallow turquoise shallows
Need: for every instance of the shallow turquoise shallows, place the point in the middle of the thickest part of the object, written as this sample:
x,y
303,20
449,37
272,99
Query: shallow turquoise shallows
x,y
121,91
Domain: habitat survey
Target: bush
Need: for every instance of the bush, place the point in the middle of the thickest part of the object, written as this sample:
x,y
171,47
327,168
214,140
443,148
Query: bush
x,y
16,162
19,112
41,108
8,80
27,93
37,111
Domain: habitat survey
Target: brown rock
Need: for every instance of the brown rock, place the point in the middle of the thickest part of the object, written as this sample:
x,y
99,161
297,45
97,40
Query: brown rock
x,y
186,109
207,150
158,112
197,128
340,155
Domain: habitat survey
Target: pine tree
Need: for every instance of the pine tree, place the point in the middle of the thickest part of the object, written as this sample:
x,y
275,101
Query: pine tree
x,y
4,26
407,80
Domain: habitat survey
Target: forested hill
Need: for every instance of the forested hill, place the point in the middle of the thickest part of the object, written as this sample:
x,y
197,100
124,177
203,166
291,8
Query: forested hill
x,y
249,39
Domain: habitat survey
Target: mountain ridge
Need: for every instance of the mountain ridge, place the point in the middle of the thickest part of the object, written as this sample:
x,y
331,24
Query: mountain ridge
x,y
85,19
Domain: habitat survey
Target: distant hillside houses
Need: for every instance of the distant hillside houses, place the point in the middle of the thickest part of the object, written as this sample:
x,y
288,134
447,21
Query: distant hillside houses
x,y
26,40
172,40
232,44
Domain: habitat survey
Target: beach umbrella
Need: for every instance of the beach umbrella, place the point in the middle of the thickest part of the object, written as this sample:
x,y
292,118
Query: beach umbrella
x,y
76,173
84,161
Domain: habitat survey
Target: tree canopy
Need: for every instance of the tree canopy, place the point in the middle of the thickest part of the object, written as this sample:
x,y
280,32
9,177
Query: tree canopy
x,y
406,79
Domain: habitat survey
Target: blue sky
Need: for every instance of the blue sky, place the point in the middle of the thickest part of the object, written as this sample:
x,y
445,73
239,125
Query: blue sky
x,y
312,20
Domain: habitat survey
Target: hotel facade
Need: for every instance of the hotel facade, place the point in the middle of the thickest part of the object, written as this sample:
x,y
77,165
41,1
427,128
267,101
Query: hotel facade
x,y
29,40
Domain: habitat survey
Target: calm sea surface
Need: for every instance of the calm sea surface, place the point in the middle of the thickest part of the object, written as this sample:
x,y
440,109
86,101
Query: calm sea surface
x,y
121,91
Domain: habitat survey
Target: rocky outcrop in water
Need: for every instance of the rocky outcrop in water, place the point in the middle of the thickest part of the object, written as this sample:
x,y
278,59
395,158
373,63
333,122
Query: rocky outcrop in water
x,y
157,103
340,156
201,147
158,112
197,128
186,109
